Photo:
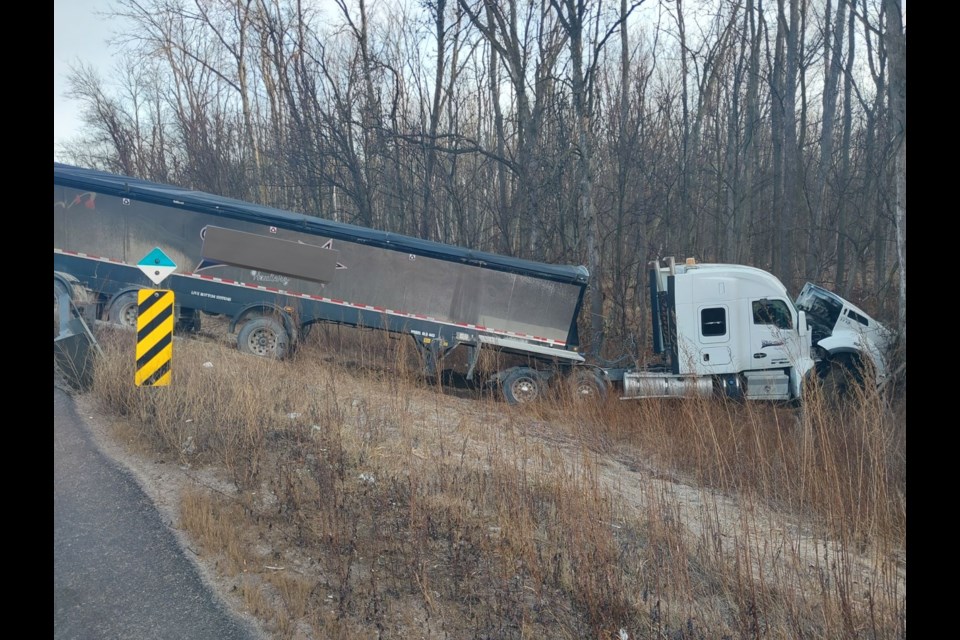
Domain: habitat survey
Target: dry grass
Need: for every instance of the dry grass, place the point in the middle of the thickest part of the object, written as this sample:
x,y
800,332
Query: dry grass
x,y
367,503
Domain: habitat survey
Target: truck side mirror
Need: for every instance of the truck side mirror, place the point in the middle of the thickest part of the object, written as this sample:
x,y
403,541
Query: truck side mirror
x,y
802,323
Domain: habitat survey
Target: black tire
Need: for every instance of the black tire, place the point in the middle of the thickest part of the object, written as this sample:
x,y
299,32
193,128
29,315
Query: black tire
x,y
124,310
842,379
522,386
586,384
264,337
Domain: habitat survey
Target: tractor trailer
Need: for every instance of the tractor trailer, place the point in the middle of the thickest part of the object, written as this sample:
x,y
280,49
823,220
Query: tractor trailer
x,y
718,329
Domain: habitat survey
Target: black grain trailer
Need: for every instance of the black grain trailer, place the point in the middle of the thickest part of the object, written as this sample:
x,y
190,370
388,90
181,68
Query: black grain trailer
x,y
274,273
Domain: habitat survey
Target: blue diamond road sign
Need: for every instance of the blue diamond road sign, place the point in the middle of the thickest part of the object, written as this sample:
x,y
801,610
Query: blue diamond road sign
x,y
157,265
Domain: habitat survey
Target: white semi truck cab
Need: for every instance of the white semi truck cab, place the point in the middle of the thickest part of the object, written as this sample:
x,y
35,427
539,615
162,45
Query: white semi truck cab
x,y
733,330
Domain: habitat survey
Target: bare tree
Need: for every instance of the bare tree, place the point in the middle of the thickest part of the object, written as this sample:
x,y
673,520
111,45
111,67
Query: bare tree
x,y
833,67
628,233
843,191
349,174
575,17
370,107
785,148
199,95
230,26
289,81
896,43
428,222
112,141
511,34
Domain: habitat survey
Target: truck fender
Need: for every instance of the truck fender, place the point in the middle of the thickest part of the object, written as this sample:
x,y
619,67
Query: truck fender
x,y
65,282
260,309
842,342
845,347
845,342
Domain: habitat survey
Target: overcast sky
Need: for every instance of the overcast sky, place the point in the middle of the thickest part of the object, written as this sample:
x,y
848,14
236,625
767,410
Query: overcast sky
x,y
78,34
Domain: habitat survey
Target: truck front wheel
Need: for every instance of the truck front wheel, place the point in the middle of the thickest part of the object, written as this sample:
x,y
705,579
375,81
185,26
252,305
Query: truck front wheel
x,y
586,384
264,337
843,377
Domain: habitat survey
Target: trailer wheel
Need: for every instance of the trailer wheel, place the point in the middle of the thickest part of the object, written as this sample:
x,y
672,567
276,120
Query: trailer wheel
x,y
124,310
264,337
522,386
586,384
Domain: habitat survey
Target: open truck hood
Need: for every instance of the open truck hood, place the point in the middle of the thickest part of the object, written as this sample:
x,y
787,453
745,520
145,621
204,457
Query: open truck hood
x,y
837,326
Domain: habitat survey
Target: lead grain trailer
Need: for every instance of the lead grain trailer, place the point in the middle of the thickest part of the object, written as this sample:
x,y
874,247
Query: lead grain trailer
x,y
275,273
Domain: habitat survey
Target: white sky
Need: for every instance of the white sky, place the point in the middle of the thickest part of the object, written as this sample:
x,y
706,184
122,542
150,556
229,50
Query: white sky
x,y
78,34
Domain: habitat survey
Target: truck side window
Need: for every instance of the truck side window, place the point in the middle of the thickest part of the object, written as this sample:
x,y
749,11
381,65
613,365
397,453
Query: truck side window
x,y
853,315
773,312
713,322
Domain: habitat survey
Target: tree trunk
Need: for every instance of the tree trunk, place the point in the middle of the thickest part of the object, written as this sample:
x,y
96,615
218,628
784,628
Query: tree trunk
x,y
832,70
896,42
791,153
845,154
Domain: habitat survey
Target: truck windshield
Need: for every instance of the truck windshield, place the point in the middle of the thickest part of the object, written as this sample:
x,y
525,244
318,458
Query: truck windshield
x,y
821,306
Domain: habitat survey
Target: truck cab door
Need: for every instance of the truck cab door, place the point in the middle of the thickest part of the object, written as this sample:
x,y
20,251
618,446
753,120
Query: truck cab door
x,y
774,340
711,353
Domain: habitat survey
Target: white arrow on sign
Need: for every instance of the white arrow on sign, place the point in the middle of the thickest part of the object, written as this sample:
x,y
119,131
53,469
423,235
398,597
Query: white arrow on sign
x,y
156,265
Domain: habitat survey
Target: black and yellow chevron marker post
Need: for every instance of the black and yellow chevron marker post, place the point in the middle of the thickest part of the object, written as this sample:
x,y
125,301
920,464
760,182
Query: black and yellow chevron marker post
x,y
154,337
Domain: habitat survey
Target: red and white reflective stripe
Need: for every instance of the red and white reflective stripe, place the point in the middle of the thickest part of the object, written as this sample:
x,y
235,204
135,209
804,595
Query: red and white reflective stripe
x,y
378,309
80,254
342,303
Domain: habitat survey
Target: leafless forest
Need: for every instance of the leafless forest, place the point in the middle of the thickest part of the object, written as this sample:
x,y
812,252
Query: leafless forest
x,y
570,131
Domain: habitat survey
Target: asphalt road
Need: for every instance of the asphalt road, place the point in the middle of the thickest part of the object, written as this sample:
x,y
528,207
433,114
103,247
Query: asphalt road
x,y
118,571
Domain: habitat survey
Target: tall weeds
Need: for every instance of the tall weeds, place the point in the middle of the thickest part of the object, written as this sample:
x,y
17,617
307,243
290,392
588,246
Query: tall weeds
x,y
370,502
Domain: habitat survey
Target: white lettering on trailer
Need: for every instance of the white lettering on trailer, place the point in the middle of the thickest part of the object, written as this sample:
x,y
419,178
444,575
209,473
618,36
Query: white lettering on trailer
x,y
263,276
204,294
